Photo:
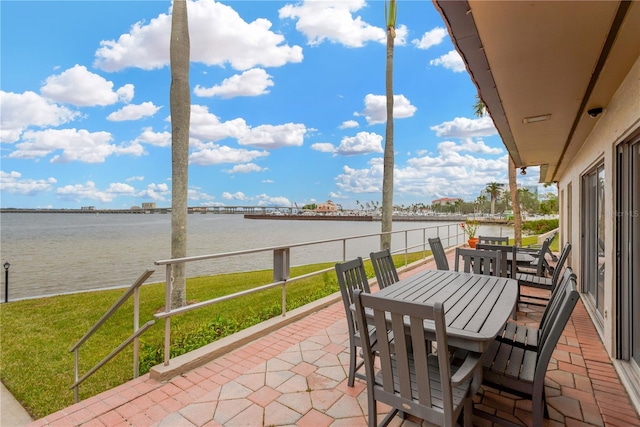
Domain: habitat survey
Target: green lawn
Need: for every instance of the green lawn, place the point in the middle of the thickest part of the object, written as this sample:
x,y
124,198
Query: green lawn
x,y
37,367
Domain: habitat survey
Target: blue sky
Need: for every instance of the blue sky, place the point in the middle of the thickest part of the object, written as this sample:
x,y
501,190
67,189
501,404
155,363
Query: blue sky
x,y
287,101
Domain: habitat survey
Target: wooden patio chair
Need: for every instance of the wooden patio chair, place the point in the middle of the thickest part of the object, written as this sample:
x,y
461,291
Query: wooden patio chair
x,y
494,240
507,266
411,379
352,276
520,371
528,336
385,269
478,262
540,266
542,282
537,246
439,254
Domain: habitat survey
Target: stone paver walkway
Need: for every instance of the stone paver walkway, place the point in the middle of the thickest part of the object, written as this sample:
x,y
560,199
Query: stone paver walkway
x,y
296,376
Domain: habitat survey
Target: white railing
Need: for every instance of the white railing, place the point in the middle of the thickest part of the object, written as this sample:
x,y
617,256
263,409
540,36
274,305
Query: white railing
x,y
450,234
281,267
137,331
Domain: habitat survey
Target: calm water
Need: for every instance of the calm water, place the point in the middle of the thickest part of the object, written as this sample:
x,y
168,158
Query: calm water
x,y
59,253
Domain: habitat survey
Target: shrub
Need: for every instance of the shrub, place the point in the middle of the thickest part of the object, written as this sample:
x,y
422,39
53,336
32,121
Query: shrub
x,y
539,226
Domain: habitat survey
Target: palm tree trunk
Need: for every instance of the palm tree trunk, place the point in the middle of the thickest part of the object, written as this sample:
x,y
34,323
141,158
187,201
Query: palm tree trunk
x,y
387,178
180,105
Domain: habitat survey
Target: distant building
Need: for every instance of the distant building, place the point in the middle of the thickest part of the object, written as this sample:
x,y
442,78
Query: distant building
x,y
326,207
445,201
88,208
149,205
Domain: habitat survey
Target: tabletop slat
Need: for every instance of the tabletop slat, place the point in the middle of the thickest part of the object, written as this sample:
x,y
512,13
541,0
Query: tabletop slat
x,y
476,306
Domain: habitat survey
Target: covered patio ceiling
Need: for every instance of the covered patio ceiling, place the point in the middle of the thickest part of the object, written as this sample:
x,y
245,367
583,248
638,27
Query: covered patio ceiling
x,y
540,66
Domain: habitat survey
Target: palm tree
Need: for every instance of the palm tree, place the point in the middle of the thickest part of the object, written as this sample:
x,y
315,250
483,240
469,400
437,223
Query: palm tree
x,y
387,177
493,189
180,106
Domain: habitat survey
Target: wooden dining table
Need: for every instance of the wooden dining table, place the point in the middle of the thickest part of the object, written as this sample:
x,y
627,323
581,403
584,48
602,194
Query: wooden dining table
x,y
476,306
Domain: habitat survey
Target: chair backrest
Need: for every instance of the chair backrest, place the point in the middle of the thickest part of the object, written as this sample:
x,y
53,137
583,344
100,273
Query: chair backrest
x,y
508,267
542,261
438,253
553,303
385,269
561,260
551,331
494,240
479,262
407,357
351,276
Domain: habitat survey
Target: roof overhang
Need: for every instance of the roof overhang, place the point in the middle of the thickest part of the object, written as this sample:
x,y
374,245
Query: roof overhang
x,y
540,66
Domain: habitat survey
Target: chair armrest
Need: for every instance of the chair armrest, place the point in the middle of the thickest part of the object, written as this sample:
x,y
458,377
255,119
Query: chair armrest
x,y
468,367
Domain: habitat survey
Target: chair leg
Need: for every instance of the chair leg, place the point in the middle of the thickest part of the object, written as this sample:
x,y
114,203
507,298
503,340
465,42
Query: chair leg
x,y
538,408
468,411
352,365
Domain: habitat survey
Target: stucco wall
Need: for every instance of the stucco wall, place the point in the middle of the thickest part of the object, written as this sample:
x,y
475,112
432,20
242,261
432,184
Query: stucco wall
x,y
619,120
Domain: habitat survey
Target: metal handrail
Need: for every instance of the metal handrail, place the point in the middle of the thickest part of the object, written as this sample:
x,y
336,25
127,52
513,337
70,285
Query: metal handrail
x,y
281,270
137,331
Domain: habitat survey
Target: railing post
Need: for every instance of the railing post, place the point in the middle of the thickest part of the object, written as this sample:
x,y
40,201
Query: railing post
x,y
281,272
406,248
76,374
136,326
167,320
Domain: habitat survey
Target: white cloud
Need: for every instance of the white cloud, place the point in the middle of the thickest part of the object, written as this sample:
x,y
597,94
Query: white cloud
x,y
462,127
133,112
478,147
362,143
211,24
89,191
75,145
375,108
80,87
19,111
451,60
333,21
323,147
361,180
252,82
274,136
348,124
266,200
246,168
213,154
157,192
159,139
431,38
235,196
135,178
448,173
206,126
12,182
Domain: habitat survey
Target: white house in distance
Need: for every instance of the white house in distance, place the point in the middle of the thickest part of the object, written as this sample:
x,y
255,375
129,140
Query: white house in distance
x,y
561,81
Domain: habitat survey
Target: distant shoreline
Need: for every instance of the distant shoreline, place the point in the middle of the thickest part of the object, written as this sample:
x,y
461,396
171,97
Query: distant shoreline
x,y
266,216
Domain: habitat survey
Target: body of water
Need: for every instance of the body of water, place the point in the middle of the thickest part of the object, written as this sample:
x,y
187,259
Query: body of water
x,y
52,254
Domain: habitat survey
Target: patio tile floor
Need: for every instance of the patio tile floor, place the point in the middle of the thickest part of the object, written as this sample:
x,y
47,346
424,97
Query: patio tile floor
x,y
296,376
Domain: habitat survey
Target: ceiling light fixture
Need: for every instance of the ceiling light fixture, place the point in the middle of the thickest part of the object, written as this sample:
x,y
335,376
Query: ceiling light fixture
x,y
523,171
534,119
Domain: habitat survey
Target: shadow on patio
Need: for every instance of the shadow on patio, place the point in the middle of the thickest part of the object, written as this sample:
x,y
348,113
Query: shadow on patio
x,y
297,376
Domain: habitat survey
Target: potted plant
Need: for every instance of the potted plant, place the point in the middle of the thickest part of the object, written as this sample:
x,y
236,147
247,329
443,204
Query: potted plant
x,y
470,227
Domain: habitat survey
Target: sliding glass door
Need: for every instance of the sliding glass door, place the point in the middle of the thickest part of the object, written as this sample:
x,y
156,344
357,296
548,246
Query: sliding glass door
x,y
628,250
593,247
